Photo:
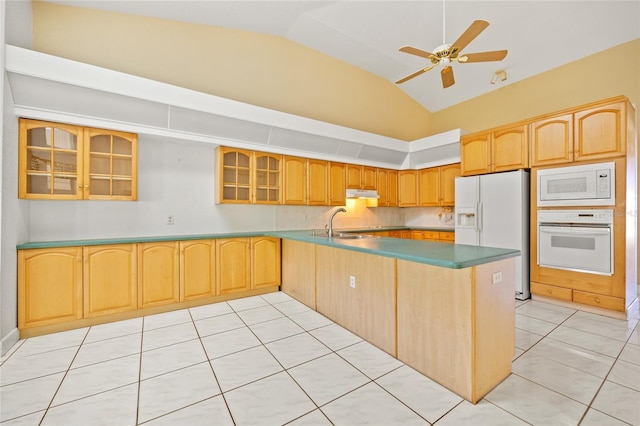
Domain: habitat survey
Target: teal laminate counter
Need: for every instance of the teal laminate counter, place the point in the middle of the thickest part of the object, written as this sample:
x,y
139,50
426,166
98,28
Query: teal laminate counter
x,y
454,256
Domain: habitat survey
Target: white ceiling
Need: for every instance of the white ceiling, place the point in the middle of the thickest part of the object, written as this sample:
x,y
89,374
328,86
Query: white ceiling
x,y
540,35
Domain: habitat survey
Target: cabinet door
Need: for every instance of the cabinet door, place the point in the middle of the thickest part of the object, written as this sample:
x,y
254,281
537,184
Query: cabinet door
x,y
234,166
392,198
408,188
369,178
110,279
354,176
49,286
429,186
295,180
267,178
50,161
475,154
158,274
197,269
318,182
600,132
448,175
233,265
383,187
110,165
552,141
265,262
337,184
510,149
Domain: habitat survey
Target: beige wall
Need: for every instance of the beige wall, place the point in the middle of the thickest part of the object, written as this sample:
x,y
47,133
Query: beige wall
x,y
258,69
604,75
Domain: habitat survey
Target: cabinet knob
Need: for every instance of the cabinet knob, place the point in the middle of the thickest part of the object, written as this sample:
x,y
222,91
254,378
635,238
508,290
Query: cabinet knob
x,y
80,186
549,291
597,299
86,186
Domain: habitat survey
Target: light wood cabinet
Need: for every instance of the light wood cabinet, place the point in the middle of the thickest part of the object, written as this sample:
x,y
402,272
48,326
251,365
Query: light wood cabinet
x,y
318,182
267,178
337,184
197,269
64,162
234,166
49,286
437,185
295,180
408,188
361,177
600,132
497,151
552,140
158,274
299,271
233,265
392,180
265,262
110,279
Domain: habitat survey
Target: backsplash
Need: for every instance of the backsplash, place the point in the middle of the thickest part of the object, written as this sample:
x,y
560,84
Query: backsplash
x,y
437,217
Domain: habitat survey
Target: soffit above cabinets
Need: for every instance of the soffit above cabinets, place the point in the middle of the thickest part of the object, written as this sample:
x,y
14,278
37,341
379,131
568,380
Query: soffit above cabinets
x,y
51,88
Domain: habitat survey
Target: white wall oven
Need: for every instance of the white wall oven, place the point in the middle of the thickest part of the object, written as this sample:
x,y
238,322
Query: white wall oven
x,y
576,240
583,185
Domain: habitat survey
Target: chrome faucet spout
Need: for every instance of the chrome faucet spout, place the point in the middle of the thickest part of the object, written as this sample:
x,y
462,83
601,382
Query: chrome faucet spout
x,y
335,212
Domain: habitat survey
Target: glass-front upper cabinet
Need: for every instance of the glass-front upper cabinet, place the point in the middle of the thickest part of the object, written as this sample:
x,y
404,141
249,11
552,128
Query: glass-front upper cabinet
x,y
65,162
235,182
267,178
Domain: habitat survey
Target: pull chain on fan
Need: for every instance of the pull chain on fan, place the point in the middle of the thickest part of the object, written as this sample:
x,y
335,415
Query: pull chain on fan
x,y
445,54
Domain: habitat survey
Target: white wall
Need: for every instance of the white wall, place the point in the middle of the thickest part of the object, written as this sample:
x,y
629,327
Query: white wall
x,y
13,212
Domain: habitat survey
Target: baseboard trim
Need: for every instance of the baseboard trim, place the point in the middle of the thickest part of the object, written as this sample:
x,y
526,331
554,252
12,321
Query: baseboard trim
x,y
8,341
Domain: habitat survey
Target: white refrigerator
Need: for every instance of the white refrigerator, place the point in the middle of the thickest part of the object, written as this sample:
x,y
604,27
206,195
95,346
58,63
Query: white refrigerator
x,y
493,211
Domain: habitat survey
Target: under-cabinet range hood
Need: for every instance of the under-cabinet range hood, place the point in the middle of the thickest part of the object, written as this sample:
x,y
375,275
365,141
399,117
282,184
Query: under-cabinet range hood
x,y
362,193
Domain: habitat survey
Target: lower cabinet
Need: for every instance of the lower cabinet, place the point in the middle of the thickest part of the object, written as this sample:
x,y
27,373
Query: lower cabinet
x,y
158,274
49,286
60,286
110,281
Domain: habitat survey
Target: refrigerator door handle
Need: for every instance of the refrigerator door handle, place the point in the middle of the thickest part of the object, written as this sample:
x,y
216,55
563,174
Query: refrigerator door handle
x,y
479,217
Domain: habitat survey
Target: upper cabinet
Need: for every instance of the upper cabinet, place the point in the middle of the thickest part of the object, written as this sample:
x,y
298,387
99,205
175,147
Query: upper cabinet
x,y
437,185
267,178
361,177
387,185
64,162
318,182
586,134
408,188
295,180
235,175
337,184
500,150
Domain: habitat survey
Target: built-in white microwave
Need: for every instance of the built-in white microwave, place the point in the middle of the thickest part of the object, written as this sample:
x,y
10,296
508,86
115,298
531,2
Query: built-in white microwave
x,y
583,185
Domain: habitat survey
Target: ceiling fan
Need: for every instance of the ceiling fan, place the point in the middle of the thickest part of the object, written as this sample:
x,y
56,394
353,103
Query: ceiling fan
x,y
445,54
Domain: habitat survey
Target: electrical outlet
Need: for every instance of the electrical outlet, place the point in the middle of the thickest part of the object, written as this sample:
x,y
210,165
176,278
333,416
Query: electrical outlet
x,y
497,277
352,281
170,220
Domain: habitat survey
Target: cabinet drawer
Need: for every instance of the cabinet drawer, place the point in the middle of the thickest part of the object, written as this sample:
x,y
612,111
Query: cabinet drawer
x,y
551,291
606,302
395,234
448,236
430,235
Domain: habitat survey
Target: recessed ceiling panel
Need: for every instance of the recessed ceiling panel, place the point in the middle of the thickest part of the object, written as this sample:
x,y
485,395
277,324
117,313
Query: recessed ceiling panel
x,y
382,155
303,141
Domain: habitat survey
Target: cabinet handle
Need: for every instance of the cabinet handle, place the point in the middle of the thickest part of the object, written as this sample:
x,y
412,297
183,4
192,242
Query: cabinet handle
x,y
79,186
86,186
597,299
549,291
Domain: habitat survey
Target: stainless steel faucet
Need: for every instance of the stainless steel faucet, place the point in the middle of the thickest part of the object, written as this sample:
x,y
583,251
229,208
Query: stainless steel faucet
x,y
329,227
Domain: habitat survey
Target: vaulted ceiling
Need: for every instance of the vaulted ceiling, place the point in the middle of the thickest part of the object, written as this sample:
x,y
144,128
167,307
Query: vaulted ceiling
x,y
539,35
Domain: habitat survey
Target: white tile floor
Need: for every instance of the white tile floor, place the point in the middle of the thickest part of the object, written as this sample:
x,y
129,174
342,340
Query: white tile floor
x,y
270,360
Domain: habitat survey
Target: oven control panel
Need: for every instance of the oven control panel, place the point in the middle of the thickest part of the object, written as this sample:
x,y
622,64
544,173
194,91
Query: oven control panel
x,y
604,216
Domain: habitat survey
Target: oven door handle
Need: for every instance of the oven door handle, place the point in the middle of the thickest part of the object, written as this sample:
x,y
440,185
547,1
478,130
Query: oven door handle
x,y
574,230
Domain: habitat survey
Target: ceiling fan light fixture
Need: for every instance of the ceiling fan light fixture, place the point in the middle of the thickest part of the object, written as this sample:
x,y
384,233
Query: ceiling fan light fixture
x,y
500,74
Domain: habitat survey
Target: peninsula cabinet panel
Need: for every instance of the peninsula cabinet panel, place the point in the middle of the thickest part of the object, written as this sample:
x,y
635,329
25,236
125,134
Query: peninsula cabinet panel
x,y
298,271
337,184
233,265
295,180
475,154
552,141
197,269
158,274
600,132
49,286
510,149
318,182
408,188
368,309
265,262
110,279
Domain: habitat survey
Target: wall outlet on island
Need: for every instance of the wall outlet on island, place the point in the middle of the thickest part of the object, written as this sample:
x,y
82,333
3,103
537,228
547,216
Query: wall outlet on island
x,y
352,281
170,219
497,277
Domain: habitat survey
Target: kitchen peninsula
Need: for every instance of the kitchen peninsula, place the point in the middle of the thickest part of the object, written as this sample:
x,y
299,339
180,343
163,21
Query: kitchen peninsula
x,y
446,310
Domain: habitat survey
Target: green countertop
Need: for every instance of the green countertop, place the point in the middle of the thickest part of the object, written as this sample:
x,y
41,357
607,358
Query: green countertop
x,y
455,256
446,255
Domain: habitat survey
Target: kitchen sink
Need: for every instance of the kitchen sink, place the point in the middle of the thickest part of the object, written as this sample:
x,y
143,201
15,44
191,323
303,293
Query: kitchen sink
x,y
341,235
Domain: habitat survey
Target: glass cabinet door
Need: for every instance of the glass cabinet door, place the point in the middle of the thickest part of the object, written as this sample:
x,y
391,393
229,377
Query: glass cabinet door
x,y
267,178
236,177
110,161
49,163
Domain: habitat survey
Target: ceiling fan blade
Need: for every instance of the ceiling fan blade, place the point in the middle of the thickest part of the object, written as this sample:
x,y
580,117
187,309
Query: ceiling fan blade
x,y
496,55
417,52
415,74
447,77
467,37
